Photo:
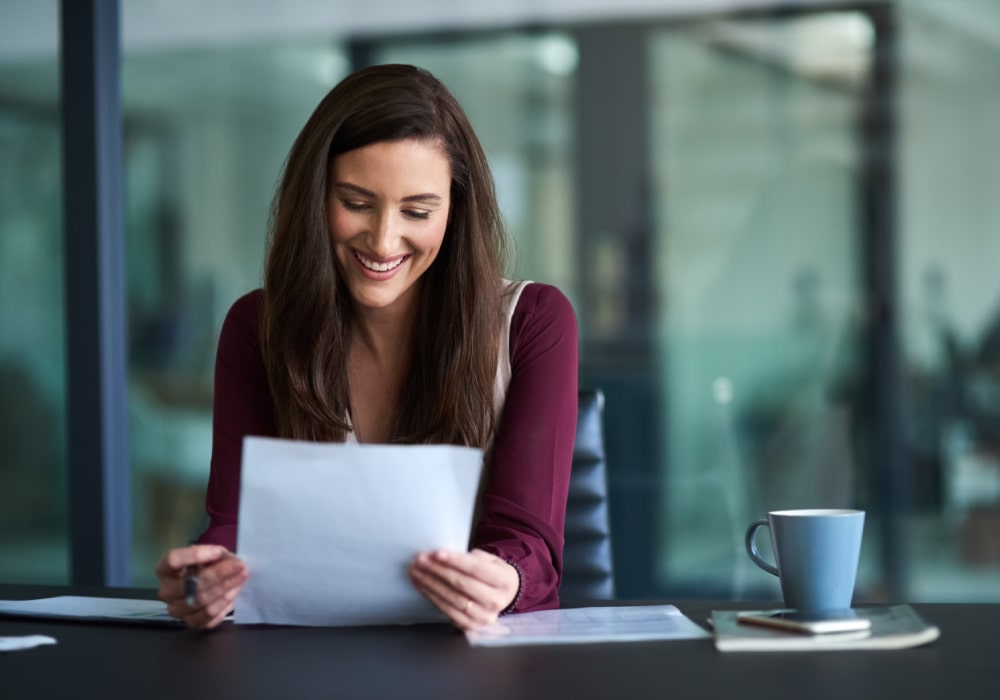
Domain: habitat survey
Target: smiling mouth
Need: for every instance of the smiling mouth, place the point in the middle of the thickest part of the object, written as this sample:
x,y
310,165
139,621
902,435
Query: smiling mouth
x,y
377,266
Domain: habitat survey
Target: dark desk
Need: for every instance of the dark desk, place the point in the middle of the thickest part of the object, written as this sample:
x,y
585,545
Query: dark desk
x,y
434,661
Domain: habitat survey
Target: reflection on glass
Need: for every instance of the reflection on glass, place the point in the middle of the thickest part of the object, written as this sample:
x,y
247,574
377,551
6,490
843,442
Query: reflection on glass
x,y
33,536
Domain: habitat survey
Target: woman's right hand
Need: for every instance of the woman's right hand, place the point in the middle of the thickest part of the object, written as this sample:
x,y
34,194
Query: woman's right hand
x,y
220,575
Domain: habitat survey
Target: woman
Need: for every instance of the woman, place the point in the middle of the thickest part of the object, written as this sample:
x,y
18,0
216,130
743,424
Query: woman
x,y
384,318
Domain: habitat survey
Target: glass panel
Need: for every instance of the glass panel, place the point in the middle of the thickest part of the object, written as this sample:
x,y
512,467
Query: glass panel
x,y
33,534
756,162
207,130
757,253
950,216
517,92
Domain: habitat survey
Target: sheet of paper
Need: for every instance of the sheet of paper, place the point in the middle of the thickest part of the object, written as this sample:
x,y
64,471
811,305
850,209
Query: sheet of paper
x,y
91,608
28,642
628,623
329,530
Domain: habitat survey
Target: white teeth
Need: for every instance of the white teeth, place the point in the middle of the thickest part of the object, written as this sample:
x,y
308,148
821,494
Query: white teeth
x,y
379,267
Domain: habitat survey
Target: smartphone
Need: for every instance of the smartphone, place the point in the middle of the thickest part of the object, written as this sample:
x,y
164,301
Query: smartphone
x,y
824,622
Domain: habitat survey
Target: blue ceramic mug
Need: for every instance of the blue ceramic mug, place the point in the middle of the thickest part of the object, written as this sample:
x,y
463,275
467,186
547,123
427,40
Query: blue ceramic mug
x,y
817,554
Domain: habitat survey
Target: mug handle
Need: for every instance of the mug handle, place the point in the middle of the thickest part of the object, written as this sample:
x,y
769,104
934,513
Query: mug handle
x,y
751,545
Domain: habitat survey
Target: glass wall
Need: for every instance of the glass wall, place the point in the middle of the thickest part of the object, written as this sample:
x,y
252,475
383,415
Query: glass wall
x,y
33,537
949,245
701,189
757,256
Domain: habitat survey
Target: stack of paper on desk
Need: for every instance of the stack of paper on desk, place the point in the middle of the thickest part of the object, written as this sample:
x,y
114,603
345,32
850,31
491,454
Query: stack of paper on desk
x,y
328,531
74,607
628,623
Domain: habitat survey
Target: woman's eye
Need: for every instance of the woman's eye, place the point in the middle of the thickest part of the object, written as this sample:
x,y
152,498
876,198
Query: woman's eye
x,y
417,214
354,206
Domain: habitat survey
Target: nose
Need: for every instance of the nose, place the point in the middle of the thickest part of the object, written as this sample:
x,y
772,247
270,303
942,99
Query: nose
x,y
382,240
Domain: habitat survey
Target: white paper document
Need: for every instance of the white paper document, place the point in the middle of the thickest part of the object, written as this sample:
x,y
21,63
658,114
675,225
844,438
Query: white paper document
x,y
91,608
628,623
27,642
328,530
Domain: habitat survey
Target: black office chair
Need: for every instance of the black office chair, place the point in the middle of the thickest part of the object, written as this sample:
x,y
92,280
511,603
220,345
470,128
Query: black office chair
x,y
587,567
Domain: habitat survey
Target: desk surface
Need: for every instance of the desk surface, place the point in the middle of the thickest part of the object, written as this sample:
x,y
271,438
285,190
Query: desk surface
x,y
434,661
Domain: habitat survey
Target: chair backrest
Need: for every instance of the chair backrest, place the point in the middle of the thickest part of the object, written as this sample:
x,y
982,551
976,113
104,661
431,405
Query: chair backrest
x,y
587,566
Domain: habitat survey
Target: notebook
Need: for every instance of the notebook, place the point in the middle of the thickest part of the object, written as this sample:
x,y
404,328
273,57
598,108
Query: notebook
x,y
892,627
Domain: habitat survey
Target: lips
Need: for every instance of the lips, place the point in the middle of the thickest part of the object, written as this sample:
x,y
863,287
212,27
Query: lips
x,y
379,269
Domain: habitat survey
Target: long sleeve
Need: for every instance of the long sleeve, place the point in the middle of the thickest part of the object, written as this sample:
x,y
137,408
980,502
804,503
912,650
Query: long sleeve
x,y
242,406
524,501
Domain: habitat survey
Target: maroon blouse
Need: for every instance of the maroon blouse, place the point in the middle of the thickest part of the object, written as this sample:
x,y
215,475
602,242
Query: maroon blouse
x,y
523,506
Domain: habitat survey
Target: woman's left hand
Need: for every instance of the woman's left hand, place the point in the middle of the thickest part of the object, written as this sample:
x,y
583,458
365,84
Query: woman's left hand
x,y
471,588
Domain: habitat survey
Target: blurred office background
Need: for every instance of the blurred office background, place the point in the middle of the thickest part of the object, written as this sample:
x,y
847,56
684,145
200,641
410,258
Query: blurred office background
x,y
779,224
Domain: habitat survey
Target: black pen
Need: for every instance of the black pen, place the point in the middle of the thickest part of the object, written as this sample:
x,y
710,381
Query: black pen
x,y
191,586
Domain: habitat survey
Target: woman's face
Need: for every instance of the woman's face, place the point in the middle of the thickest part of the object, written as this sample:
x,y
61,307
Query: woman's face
x,y
388,209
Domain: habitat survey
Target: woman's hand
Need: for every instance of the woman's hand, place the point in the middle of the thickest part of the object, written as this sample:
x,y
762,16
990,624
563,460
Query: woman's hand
x,y
220,575
471,588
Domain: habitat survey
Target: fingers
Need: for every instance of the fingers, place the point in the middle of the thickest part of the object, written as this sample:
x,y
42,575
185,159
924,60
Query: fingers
x,y
175,565
212,608
211,605
471,588
219,576
465,616
175,561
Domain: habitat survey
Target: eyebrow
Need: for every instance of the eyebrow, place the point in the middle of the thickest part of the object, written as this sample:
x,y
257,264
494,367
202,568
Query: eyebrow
x,y
429,197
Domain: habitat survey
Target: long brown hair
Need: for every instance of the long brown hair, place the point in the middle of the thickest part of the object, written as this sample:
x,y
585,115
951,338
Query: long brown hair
x,y
307,310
